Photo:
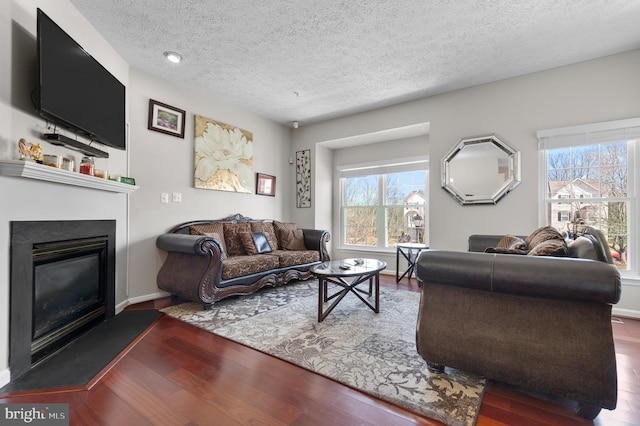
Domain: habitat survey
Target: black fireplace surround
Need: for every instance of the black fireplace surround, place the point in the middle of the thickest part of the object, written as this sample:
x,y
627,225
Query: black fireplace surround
x,y
62,284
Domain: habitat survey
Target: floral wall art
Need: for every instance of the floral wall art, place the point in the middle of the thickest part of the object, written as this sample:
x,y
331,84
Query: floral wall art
x,y
223,157
303,178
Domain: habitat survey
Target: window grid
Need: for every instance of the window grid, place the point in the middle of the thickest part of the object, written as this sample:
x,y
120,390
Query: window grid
x,y
589,186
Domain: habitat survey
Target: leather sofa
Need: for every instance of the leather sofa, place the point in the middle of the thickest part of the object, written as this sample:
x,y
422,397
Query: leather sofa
x,y
536,322
209,260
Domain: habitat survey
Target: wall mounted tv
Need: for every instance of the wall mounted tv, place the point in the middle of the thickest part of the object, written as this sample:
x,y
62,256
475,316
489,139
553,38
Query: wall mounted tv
x,y
75,91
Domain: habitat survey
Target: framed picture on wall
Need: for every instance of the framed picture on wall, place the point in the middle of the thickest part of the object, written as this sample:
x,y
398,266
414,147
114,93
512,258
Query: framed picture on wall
x,y
265,184
164,118
303,178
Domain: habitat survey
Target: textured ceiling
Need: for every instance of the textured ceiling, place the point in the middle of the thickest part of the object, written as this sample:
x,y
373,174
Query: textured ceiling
x,y
311,60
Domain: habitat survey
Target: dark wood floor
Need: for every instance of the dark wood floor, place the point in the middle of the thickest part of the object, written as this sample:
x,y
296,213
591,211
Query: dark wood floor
x,y
177,374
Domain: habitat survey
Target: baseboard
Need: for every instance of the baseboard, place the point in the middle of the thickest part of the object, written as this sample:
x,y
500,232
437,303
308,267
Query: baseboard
x,y
5,377
625,313
147,297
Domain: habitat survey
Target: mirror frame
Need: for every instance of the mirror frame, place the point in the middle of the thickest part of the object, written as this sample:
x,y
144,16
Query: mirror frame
x,y
511,182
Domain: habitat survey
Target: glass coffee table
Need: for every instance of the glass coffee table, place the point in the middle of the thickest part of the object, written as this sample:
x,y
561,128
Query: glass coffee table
x,y
348,274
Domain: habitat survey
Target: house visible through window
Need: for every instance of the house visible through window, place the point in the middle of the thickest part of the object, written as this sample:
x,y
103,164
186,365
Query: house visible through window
x,y
383,205
589,181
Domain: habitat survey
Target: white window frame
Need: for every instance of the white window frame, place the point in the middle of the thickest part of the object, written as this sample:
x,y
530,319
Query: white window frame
x,y
418,163
592,134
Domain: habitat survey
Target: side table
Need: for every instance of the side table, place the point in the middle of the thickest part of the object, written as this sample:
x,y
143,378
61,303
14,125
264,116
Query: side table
x,y
410,251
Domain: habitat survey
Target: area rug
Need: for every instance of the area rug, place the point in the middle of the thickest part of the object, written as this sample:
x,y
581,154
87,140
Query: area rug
x,y
375,353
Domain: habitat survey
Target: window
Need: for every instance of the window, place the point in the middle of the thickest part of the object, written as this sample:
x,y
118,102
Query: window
x,y
588,180
383,205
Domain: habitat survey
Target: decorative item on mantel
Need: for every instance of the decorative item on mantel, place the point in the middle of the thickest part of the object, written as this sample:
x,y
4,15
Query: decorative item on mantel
x,y
87,166
29,151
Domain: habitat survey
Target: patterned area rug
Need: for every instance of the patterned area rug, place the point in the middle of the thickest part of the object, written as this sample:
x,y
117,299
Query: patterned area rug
x,y
375,353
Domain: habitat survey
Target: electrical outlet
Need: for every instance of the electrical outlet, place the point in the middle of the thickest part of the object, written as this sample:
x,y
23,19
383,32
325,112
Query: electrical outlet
x,y
177,197
164,198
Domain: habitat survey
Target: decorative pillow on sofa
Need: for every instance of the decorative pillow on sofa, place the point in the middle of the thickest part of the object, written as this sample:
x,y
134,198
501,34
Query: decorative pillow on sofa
x,y
292,239
232,233
254,242
555,248
281,226
268,230
542,234
511,242
214,230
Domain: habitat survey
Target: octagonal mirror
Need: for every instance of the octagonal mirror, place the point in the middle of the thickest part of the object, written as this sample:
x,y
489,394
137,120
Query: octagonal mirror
x,y
481,170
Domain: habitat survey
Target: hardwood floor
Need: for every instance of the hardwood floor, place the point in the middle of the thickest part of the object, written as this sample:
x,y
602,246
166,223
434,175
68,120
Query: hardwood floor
x,y
177,374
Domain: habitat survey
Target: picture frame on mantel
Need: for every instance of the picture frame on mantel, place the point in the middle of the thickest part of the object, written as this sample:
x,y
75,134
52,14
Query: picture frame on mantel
x,y
166,119
265,184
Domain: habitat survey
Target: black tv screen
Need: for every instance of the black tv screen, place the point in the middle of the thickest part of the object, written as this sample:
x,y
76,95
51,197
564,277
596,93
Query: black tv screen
x,y
75,91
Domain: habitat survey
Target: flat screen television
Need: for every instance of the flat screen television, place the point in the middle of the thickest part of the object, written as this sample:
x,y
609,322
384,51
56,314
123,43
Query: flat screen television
x,y
75,91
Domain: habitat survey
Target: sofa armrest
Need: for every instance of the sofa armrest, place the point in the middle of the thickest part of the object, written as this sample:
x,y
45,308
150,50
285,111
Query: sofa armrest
x,y
190,244
317,239
192,267
535,276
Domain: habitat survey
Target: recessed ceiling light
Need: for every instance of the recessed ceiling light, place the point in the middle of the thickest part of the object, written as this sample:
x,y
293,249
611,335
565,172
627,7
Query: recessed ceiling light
x,y
173,57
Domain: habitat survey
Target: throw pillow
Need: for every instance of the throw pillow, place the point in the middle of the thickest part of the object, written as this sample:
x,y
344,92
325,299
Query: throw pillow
x,y
542,234
254,242
268,230
281,226
211,228
511,242
555,248
292,239
261,242
232,233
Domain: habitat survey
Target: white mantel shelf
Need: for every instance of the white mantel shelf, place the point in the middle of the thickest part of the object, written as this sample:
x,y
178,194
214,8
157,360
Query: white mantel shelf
x,y
28,169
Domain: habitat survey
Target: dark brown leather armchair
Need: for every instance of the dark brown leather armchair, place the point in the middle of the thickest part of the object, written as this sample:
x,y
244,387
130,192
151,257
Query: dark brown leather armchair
x,y
542,323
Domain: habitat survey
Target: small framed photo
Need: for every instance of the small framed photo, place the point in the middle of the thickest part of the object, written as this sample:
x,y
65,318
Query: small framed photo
x,y
265,184
164,118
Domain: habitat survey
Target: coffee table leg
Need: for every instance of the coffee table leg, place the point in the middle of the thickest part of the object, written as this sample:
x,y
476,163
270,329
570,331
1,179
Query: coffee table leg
x,y
321,296
377,288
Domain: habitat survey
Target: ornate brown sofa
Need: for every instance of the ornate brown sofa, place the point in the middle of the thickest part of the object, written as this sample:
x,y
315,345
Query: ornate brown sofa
x,y
209,260
541,323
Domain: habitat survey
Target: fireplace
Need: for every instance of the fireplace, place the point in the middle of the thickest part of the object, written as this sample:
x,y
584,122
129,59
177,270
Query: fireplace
x,y
62,284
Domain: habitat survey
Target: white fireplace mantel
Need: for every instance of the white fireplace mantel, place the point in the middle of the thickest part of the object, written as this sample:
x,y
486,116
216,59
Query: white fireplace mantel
x,y
28,169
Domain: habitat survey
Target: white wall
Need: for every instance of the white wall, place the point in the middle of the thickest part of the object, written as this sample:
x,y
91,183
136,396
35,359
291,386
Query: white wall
x,y
598,90
163,163
27,199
